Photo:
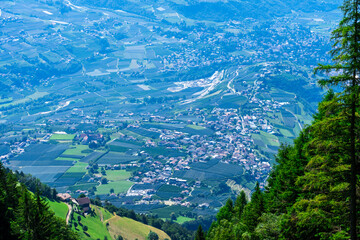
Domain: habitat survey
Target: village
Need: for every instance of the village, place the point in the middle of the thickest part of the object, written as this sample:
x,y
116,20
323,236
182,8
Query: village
x,y
188,122
229,141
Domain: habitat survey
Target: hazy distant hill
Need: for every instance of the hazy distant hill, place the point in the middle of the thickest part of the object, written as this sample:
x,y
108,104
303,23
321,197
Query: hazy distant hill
x,y
220,10
240,9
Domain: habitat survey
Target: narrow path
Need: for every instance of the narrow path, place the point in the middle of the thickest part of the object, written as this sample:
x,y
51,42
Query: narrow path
x,y
101,216
69,213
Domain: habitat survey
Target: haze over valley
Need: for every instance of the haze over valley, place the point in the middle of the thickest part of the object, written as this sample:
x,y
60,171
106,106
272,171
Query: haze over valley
x,y
162,107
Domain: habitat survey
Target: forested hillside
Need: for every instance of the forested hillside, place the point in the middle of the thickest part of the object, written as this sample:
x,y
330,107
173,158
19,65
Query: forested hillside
x,y
25,215
313,191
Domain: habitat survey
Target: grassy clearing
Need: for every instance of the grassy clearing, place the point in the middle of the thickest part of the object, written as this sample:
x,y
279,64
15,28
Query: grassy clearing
x,y
118,186
166,211
131,229
60,209
181,219
62,137
117,175
77,150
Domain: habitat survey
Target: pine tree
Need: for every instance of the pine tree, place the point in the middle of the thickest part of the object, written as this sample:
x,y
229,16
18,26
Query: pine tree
x,y
346,57
199,234
8,203
240,204
282,191
254,209
226,212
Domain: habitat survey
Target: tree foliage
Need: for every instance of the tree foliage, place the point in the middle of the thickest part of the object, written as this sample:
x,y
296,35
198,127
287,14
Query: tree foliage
x,y
26,215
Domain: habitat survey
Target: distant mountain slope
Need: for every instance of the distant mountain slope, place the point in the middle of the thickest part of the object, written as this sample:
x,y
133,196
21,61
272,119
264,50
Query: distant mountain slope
x,y
240,9
219,10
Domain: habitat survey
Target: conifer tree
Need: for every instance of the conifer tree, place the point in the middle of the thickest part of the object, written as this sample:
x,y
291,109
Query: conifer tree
x,y
226,212
346,57
199,234
240,204
254,209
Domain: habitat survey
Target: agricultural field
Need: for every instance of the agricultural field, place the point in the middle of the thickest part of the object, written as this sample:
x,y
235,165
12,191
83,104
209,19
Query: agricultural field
x,y
40,161
196,127
82,186
78,150
62,137
118,186
166,192
78,167
145,133
10,102
116,158
117,175
93,157
212,171
122,146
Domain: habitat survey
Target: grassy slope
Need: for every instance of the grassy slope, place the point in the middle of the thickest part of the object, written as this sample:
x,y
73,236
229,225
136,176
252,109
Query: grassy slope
x,y
96,228
126,227
59,208
130,229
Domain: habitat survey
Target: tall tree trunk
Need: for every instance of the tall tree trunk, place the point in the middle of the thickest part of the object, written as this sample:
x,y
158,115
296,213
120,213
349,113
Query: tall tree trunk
x,y
353,211
353,208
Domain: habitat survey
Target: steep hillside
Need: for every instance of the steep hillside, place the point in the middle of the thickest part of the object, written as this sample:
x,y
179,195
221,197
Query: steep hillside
x,y
26,215
101,223
131,229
